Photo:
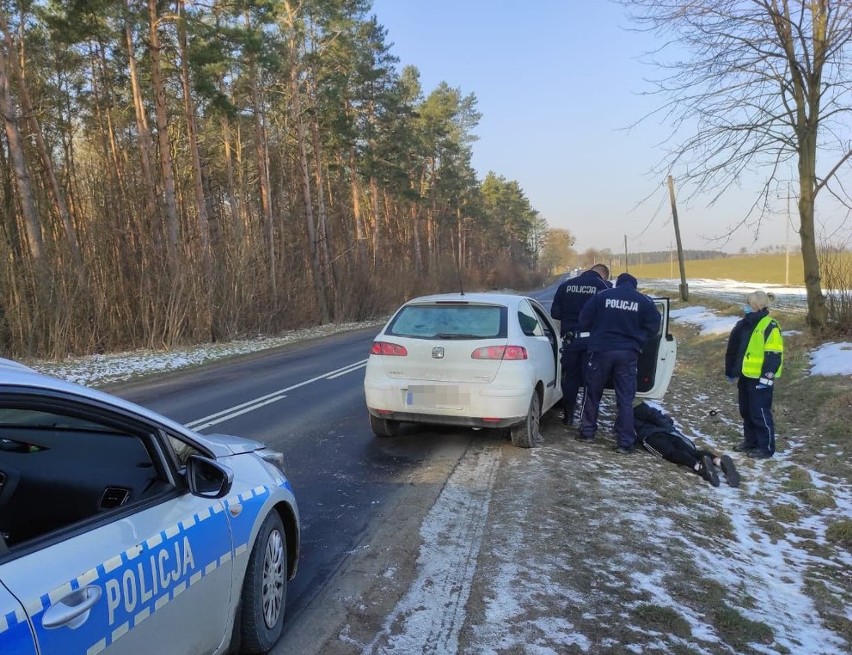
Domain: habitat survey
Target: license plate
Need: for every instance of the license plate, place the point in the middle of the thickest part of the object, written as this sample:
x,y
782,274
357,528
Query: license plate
x,y
441,396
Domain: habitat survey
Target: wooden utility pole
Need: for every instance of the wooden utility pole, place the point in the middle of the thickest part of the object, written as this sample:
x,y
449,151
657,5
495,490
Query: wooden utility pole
x,y
671,260
787,238
626,263
684,287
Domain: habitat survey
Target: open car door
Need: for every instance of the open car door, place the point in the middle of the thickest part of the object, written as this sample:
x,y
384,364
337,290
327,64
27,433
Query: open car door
x,y
657,360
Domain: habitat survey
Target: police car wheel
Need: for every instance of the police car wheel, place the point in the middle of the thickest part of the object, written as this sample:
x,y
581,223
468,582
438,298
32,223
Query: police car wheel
x,y
526,434
265,588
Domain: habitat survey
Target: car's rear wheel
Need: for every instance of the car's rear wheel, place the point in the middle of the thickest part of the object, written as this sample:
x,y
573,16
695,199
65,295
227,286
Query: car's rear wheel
x,y
265,588
526,434
383,427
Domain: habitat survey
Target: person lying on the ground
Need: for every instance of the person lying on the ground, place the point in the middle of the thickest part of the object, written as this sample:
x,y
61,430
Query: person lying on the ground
x,y
659,436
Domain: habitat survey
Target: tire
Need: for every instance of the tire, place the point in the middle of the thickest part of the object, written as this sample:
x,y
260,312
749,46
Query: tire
x,y
383,427
264,588
526,434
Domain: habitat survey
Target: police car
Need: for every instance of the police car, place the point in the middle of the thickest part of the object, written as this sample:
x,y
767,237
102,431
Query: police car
x,y
122,531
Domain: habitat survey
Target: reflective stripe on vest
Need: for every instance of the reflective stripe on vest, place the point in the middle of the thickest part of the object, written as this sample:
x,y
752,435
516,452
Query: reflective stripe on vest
x,y
758,344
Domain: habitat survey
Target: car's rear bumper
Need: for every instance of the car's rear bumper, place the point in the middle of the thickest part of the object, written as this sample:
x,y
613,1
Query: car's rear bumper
x,y
476,405
438,419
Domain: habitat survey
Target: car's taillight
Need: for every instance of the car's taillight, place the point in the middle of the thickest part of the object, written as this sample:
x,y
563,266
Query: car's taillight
x,y
500,352
387,348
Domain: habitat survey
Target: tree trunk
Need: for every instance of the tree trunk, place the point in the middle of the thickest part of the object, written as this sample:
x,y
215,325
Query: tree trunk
x,y
160,110
19,70
807,88
415,229
262,167
198,182
32,225
316,268
817,310
323,229
377,227
146,145
233,198
357,214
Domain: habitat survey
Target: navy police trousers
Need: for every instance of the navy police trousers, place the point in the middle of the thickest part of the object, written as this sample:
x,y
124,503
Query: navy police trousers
x,y
621,366
572,378
756,410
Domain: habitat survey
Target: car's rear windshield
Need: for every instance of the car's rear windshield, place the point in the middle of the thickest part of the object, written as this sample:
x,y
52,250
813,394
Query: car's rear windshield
x,y
450,321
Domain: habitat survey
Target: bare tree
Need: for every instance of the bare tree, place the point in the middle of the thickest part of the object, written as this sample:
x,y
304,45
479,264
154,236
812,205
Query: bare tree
x,y
754,85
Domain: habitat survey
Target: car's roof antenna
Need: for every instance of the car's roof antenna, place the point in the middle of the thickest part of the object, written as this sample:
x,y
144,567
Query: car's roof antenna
x,y
458,270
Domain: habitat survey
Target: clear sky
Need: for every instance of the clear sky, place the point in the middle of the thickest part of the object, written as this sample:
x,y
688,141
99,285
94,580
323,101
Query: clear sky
x,y
557,83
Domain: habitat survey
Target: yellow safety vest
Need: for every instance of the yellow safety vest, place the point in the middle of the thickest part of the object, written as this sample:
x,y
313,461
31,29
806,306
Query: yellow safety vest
x,y
758,344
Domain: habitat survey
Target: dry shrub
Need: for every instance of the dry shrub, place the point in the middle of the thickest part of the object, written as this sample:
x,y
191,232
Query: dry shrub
x,y
835,263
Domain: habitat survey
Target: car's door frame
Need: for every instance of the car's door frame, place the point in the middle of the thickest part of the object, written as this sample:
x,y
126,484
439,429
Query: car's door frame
x,y
16,634
664,356
553,387
141,560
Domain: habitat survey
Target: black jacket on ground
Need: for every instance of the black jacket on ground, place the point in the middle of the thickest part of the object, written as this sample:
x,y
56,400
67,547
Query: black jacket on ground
x,y
650,420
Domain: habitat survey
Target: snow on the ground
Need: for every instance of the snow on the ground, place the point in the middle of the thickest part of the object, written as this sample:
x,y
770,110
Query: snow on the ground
x,y
788,299
98,370
832,359
707,321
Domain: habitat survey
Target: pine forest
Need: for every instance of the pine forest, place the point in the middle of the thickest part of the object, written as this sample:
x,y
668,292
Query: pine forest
x,y
184,172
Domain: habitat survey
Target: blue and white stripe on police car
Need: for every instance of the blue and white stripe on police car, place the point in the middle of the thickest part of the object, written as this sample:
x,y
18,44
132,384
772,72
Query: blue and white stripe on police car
x,y
147,576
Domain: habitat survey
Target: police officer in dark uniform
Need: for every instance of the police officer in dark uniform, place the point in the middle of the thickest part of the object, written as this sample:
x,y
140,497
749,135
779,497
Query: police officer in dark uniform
x,y
620,321
755,357
570,297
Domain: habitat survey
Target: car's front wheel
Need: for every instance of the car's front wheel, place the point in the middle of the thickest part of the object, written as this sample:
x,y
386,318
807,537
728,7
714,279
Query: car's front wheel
x,y
383,427
526,433
265,588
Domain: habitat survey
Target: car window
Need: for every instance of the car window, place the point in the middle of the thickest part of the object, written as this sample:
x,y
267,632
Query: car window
x,y
182,449
58,469
11,416
450,321
663,307
528,320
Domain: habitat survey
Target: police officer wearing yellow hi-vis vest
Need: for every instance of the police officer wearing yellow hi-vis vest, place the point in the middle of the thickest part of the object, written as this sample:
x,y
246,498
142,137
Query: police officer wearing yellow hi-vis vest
x,y
755,356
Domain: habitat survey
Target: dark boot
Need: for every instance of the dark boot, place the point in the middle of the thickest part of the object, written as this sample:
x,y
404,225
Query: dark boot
x,y
707,471
732,477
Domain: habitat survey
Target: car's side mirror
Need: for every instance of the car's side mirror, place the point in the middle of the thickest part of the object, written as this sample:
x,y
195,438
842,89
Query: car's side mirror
x,y
207,478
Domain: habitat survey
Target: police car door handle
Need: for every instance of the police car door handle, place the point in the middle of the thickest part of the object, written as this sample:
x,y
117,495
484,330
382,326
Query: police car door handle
x,y
72,610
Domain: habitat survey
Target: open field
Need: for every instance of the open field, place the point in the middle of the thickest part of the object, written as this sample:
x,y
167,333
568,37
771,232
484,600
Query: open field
x,y
765,269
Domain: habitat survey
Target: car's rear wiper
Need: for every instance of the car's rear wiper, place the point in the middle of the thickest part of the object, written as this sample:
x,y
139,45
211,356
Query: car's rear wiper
x,y
456,335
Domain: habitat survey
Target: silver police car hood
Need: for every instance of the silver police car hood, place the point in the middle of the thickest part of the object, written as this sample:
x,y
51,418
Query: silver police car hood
x,y
234,445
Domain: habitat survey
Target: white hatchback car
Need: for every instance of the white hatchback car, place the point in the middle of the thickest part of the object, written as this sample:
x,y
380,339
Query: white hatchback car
x,y
482,360
122,531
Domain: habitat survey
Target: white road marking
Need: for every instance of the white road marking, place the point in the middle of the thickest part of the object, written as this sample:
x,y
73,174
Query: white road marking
x,y
257,403
354,367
